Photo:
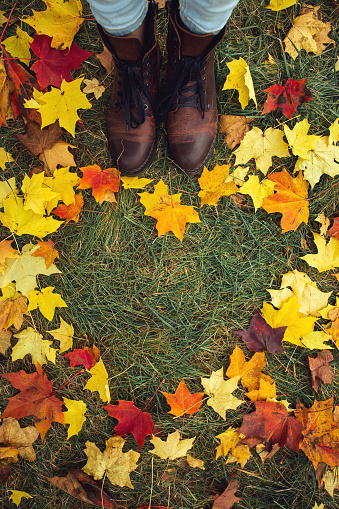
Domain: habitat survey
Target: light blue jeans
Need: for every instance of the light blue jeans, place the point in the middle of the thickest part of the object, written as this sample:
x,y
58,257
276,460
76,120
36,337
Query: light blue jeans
x,y
120,17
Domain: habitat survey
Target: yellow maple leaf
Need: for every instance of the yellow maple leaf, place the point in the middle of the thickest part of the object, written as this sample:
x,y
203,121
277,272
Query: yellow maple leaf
x,y
6,251
31,343
7,187
266,390
220,392
215,184
240,79
261,146
173,218
327,257
5,157
316,340
99,381
36,194
288,316
21,221
334,128
299,141
61,183
75,416
62,104
308,33
19,46
59,154
159,199
64,334
24,270
172,448
3,18
194,462
249,371
321,160
258,191
46,301
113,463
278,5
229,440
135,182
18,495
61,21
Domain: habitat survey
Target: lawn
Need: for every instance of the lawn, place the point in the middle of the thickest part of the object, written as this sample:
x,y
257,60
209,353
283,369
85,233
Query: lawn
x,y
161,311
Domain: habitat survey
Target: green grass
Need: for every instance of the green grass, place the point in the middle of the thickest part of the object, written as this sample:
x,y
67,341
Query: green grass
x,y
162,310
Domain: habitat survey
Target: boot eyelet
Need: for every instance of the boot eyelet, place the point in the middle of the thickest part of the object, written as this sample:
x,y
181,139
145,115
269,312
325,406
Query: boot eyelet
x,y
204,91
145,107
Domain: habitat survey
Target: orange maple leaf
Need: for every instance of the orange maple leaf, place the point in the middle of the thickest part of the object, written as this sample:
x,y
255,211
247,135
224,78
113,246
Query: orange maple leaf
x,y
99,180
182,401
47,251
70,212
321,432
249,371
174,218
290,199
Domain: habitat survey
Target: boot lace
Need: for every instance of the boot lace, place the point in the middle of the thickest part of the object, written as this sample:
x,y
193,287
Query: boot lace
x,y
134,90
187,79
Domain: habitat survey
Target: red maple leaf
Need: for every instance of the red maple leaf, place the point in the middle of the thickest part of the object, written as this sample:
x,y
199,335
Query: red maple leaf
x,y
34,399
261,336
287,98
55,65
24,83
334,230
99,180
87,357
70,212
131,420
274,423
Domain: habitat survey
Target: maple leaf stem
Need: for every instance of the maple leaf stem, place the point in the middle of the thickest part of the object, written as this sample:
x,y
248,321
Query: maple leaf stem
x,y
322,192
285,368
95,211
95,159
9,17
67,382
153,396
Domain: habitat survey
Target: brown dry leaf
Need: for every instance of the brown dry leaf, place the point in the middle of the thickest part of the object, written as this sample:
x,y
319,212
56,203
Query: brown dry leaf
x,y
12,435
6,251
264,454
320,369
37,140
227,498
5,89
5,341
58,154
12,311
235,127
93,87
324,223
106,59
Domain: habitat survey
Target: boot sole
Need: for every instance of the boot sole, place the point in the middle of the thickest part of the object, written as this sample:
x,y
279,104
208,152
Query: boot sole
x,y
195,171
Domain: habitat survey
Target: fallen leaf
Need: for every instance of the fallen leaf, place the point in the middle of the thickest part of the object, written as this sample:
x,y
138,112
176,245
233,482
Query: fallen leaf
x,y
75,416
324,223
262,146
320,369
36,194
240,79
321,161
5,340
5,157
227,499
13,307
182,401
173,218
327,257
290,199
131,420
113,463
287,98
70,212
59,154
55,65
299,141
334,230
34,399
12,435
265,455
99,180
31,343
235,127
214,185
308,33
261,336
258,191
278,5
330,480
220,392
172,448
194,462
135,182
3,18
61,21
316,340
229,441
99,381
17,496
93,87
6,251
158,199
5,89
320,432
18,46
106,60
47,250
62,182
249,371
266,392
274,423
37,140
65,336
334,128
62,104
46,301
87,357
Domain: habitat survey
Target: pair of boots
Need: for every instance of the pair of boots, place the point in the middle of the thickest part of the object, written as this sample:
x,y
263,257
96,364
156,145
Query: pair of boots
x,y
190,105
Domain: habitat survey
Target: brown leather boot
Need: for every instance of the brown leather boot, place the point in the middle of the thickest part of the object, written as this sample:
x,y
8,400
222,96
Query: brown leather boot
x,y
192,122
131,121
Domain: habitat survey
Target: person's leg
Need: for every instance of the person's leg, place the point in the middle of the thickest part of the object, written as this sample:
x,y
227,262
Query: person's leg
x,y
192,122
127,29
206,16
